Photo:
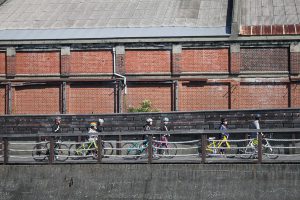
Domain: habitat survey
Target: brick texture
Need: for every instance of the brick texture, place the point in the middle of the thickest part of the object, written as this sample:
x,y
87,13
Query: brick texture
x,y
264,59
37,63
263,96
205,60
196,96
65,65
295,95
36,100
158,94
11,66
2,100
235,63
2,63
91,62
295,62
149,61
88,99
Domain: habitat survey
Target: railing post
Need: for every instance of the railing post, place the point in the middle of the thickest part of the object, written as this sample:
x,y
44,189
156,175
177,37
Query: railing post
x,y
259,151
203,148
5,151
118,145
51,151
99,149
150,149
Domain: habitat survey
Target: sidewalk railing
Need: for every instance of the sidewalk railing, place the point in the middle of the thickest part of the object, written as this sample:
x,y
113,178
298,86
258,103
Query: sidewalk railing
x,y
183,146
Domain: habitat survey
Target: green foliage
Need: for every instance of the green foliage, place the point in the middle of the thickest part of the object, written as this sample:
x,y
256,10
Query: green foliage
x,y
145,106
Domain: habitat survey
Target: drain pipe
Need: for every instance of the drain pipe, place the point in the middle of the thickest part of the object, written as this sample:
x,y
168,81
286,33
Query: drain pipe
x,y
116,74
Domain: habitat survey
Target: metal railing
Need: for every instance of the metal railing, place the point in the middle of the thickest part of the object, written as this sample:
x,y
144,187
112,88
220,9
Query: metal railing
x,y
184,146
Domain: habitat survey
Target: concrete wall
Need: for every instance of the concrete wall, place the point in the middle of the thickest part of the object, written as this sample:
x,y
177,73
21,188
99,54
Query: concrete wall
x,y
142,181
274,118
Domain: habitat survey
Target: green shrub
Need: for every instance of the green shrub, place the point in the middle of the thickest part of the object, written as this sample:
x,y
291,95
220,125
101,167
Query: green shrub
x,y
145,106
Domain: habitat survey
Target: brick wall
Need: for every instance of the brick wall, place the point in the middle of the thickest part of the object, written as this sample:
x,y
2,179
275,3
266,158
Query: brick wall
x,y
198,96
2,63
205,60
2,100
264,59
91,62
273,118
90,98
158,94
295,95
263,96
150,61
38,63
36,99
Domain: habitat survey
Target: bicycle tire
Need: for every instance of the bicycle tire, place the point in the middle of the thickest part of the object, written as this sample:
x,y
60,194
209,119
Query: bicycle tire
x,y
61,152
270,153
39,152
248,152
130,150
107,149
75,152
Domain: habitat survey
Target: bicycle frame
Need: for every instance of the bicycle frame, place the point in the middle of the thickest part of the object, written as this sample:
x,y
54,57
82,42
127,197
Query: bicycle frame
x,y
214,147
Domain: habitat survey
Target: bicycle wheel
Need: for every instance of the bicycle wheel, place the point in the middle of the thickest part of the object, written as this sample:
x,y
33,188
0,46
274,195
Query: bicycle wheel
x,y
269,152
171,151
230,152
107,148
76,152
61,152
131,149
40,152
248,152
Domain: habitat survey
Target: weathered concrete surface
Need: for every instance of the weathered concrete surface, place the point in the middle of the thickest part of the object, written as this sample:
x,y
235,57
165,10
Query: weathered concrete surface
x,y
142,181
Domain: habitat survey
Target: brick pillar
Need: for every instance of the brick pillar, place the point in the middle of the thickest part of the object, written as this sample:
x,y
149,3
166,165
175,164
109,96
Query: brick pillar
x,y
294,95
8,101
235,59
63,98
11,62
176,60
65,58
295,58
120,60
234,95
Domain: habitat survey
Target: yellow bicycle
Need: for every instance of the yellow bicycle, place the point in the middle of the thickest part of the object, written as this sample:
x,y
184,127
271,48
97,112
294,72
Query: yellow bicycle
x,y
219,147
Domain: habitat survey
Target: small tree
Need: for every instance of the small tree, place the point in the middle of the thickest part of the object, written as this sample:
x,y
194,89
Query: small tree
x,y
145,106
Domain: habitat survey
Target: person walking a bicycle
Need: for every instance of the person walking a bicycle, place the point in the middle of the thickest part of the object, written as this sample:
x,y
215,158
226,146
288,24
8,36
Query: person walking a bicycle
x,y
255,125
164,137
224,135
93,136
147,127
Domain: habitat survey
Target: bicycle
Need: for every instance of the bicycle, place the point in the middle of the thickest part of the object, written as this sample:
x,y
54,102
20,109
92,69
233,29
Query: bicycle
x,y
135,149
251,149
220,147
165,148
41,151
90,149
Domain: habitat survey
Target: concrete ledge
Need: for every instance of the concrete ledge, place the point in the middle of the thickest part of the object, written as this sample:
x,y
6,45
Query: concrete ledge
x,y
157,181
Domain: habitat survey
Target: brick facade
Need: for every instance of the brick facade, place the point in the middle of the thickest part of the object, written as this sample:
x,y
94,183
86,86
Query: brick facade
x,y
90,98
150,61
264,59
2,63
264,96
158,94
2,100
198,96
37,63
205,60
89,62
36,99
295,95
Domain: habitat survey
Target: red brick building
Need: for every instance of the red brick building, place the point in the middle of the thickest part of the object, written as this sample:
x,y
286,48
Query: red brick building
x,y
98,57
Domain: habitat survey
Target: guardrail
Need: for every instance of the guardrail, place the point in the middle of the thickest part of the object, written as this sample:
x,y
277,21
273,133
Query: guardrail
x,y
190,146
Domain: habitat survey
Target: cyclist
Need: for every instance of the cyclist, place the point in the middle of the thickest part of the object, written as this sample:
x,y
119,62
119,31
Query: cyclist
x,y
100,125
164,137
223,128
147,127
92,137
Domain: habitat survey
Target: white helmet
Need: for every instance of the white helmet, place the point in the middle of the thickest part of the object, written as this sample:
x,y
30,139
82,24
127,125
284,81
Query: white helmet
x,y
149,120
101,120
166,119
